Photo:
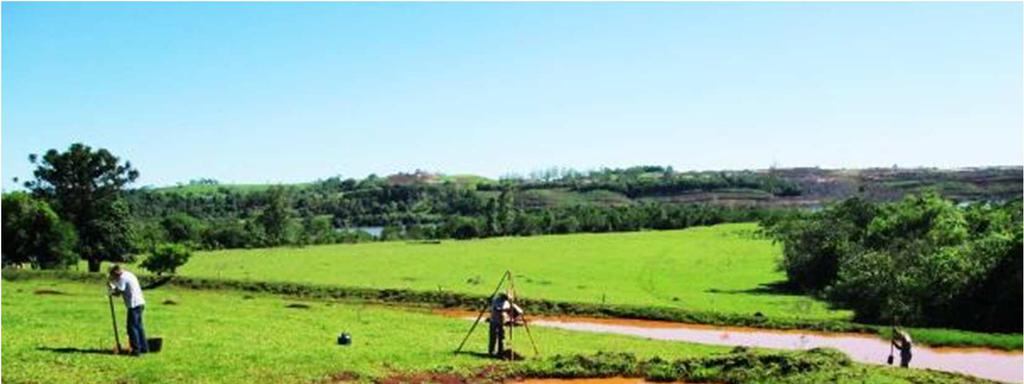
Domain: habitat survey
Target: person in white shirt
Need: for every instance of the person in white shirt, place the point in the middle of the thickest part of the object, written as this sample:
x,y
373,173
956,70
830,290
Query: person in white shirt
x,y
503,312
125,284
901,340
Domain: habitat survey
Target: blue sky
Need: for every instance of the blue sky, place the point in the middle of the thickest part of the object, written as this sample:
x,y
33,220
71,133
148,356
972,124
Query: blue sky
x,y
294,92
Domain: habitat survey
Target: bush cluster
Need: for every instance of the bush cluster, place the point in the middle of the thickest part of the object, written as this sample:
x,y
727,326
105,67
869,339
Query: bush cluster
x,y
923,261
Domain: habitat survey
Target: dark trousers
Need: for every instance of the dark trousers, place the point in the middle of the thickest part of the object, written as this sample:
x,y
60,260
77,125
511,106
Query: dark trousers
x,y
136,333
496,337
905,358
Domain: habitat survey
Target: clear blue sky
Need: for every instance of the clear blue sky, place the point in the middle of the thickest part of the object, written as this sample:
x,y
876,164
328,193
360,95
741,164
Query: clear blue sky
x,y
295,92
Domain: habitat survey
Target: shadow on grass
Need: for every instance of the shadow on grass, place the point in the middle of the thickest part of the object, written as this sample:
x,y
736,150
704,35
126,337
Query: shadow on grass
x,y
477,354
95,351
507,355
776,288
157,282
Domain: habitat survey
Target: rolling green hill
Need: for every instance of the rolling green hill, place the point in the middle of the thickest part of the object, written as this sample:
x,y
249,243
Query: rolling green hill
x,y
722,268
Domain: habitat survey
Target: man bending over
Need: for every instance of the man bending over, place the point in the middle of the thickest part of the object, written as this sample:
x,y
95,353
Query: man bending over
x,y
125,284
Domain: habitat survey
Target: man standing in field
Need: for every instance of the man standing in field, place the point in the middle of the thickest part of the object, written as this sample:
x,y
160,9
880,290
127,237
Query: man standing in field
x,y
503,311
125,283
901,340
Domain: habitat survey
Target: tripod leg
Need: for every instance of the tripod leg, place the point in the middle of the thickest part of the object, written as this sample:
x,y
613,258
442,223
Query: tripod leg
x,y
482,311
526,325
508,346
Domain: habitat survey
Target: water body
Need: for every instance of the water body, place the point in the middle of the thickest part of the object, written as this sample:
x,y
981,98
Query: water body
x,y
992,364
986,363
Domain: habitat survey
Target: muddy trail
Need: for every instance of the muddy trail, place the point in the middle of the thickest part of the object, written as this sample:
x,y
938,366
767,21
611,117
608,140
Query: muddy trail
x,y
603,380
992,364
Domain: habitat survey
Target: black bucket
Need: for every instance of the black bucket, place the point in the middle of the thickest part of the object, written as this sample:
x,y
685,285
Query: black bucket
x,y
155,344
344,339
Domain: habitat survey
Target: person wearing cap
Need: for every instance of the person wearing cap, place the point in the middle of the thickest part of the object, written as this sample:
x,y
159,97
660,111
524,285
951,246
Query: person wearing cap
x,y
901,340
125,284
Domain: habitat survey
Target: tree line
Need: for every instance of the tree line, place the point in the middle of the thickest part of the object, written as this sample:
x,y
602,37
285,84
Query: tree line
x,y
79,206
281,216
644,181
923,260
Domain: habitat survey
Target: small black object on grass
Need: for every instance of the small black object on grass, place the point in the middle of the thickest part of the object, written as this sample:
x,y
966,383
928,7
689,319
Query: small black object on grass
x,y
297,306
155,344
344,339
170,302
48,291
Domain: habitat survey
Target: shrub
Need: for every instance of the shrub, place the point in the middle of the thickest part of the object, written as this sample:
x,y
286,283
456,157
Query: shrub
x,y
166,258
658,370
33,234
183,228
814,245
739,366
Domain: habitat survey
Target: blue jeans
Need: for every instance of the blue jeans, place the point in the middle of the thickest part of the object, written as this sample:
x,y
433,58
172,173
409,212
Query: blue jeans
x,y
905,356
496,338
136,333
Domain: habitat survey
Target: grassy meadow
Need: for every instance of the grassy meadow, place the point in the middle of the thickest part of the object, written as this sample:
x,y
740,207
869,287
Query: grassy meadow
x,y
722,268
233,337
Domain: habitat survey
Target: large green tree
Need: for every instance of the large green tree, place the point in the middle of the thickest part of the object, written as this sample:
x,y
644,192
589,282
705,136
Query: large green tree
x,y
34,234
182,228
275,215
84,186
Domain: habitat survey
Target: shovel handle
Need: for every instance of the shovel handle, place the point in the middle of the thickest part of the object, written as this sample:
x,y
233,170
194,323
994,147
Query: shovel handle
x,y
113,321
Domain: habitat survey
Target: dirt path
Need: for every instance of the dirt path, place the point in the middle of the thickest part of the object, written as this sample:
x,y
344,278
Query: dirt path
x,y
607,380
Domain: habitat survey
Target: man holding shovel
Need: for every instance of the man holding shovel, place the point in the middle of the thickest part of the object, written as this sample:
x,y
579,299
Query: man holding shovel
x,y
901,340
125,283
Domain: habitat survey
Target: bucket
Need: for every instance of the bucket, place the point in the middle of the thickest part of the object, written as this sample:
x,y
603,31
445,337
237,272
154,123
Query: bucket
x,y
155,344
344,339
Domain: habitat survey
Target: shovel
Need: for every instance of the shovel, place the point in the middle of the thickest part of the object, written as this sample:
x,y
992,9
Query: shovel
x,y
889,360
113,321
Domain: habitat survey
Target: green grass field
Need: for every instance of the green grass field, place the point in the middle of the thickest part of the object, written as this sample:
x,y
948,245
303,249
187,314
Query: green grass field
x,y
720,268
231,337
224,337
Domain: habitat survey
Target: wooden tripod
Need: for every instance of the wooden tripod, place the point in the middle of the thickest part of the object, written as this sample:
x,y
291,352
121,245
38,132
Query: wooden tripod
x,y
512,293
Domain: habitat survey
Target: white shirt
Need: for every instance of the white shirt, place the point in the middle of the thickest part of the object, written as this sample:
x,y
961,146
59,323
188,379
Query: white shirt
x,y
129,287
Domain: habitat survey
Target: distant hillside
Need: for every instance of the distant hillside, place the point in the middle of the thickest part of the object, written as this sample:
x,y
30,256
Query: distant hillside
x,y
783,187
201,189
818,186
422,205
209,186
